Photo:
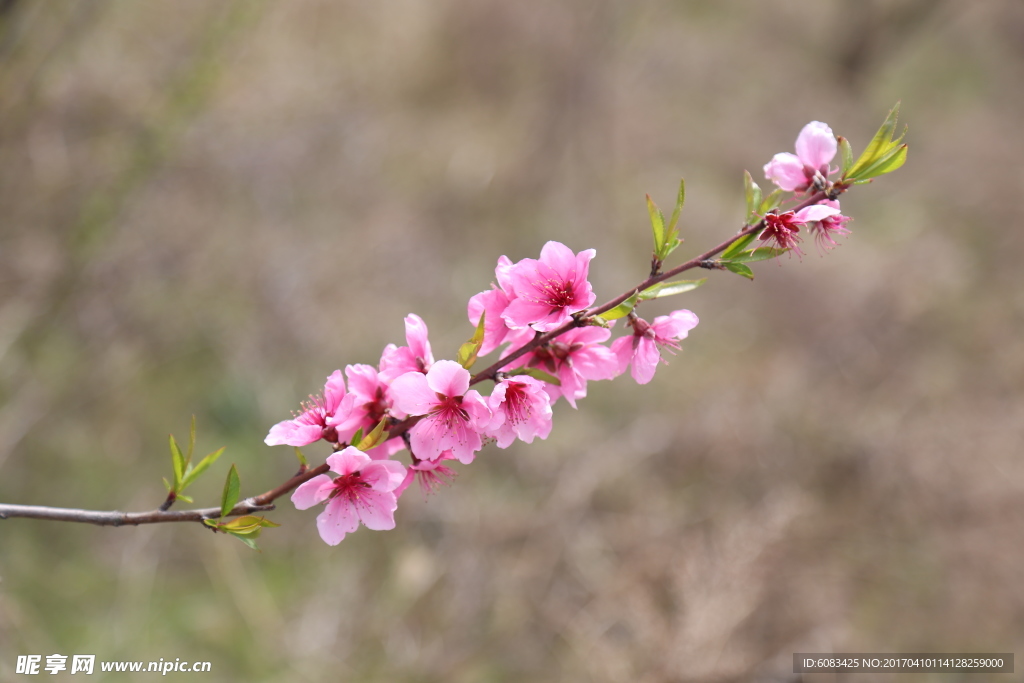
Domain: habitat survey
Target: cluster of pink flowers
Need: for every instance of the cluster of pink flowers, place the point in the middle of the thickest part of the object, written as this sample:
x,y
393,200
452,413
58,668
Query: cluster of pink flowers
x,y
537,315
807,170
453,421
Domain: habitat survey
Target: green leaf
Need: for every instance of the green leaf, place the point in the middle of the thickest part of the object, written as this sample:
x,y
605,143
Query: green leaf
x,y
623,309
739,245
231,487
247,524
536,373
187,499
670,288
167,484
846,154
178,460
301,457
880,144
770,202
657,225
740,269
191,441
192,473
357,437
887,163
375,436
211,523
469,350
753,195
759,254
247,540
680,200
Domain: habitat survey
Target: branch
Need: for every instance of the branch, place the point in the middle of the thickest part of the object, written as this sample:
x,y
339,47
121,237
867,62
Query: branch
x,y
264,501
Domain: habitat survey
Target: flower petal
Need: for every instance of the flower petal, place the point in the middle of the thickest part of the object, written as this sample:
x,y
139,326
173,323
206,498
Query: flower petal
x,y
448,378
337,519
816,145
411,394
312,492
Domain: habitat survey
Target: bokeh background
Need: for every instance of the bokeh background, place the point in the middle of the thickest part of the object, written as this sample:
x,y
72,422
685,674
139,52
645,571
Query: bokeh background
x,y
208,207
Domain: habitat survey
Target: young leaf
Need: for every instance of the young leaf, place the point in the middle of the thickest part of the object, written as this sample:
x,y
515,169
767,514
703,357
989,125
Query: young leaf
x,y
357,437
887,163
187,499
759,254
375,437
770,202
193,472
753,195
191,441
670,288
846,154
247,540
167,484
680,200
739,245
301,457
623,309
231,487
740,269
657,225
178,460
536,373
469,350
879,145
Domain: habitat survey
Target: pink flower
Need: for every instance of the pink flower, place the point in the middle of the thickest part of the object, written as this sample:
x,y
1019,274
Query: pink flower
x,y
643,348
780,230
416,357
575,357
493,302
549,290
313,423
454,414
825,222
363,491
815,148
520,408
366,404
431,474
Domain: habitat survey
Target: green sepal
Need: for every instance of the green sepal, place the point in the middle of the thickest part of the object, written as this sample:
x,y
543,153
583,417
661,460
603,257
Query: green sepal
x,y
232,485
301,457
739,269
375,437
753,195
670,288
536,373
846,154
739,245
192,473
759,254
881,144
770,202
623,309
469,350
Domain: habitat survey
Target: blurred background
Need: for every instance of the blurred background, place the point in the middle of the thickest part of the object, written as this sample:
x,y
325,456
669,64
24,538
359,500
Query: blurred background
x,y
208,207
